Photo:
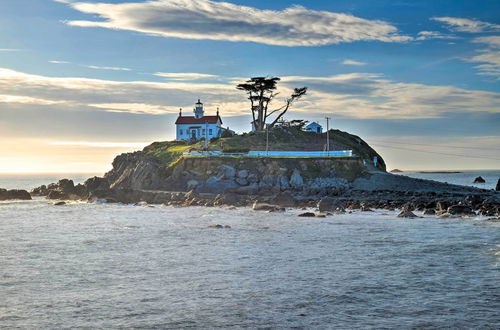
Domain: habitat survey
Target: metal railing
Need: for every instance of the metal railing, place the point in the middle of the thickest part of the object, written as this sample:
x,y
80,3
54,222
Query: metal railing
x,y
276,154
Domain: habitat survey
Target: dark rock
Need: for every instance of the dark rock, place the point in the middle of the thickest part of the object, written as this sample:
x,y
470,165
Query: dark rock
x,y
307,215
329,204
60,203
40,191
14,194
320,215
365,208
460,210
407,214
284,199
498,185
429,212
96,183
57,194
479,179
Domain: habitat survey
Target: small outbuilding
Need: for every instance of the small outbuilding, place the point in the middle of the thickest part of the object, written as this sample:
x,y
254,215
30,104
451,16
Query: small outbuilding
x,y
314,127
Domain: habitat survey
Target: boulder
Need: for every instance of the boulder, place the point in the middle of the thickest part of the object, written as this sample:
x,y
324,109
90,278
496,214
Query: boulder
x,y
460,210
252,178
307,215
40,191
14,194
57,194
227,199
242,174
479,179
242,181
498,185
296,180
60,203
407,214
226,172
283,183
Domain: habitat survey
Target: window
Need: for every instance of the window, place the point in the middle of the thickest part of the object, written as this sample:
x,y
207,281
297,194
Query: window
x,y
210,132
203,131
180,132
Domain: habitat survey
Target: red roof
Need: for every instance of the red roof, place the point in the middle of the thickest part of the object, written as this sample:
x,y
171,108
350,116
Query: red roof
x,y
194,120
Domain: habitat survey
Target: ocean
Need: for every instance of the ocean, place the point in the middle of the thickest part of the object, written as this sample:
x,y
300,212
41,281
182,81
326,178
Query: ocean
x,y
112,266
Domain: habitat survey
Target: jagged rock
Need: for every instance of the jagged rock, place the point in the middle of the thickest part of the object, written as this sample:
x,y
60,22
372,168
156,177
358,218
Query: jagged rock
x,y
243,174
407,214
460,210
65,185
96,183
57,194
479,179
497,188
137,171
296,180
40,191
14,194
307,215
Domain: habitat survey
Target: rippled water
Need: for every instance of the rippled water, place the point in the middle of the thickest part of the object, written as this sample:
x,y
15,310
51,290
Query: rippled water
x,y
118,266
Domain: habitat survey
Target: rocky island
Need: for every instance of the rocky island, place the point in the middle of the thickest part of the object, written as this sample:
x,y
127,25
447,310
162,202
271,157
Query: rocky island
x,y
163,174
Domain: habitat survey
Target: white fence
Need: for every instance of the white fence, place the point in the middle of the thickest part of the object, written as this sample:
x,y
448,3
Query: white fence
x,y
277,154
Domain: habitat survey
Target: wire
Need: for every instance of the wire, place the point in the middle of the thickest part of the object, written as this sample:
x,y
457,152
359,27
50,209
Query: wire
x,y
436,145
437,153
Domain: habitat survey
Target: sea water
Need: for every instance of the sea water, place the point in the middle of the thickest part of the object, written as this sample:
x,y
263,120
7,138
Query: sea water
x,y
113,266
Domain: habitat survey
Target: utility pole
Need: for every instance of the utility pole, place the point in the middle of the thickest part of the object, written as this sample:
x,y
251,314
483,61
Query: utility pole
x,y
206,135
327,136
267,140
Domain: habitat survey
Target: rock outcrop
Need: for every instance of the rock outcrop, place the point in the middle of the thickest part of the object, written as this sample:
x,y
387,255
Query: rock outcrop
x,y
14,194
479,179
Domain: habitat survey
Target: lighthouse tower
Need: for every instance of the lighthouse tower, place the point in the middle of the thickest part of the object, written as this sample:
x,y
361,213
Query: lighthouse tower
x,y
198,110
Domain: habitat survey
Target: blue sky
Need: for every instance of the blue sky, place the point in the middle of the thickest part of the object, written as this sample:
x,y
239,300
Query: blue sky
x,y
76,74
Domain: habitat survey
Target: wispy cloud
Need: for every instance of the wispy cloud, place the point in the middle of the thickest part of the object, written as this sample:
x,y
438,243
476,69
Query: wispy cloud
x,y
489,57
59,62
426,35
353,62
185,76
355,95
9,50
112,68
207,19
467,25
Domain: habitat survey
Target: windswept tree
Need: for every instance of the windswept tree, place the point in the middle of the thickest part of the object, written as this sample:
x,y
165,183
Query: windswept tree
x,y
261,91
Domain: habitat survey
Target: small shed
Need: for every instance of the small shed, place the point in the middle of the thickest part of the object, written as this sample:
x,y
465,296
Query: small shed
x,y
314,127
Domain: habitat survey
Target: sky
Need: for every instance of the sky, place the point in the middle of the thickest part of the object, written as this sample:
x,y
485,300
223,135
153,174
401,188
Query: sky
x,y
82,81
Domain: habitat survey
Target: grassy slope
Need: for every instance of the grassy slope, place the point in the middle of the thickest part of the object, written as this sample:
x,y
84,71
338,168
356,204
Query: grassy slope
x,y
279,139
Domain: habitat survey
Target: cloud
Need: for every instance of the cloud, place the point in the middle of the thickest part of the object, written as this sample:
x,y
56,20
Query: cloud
x,y
467,25
9,50
489,57
354,95
185,76
59,62
207,19
112,68
426,35
353,62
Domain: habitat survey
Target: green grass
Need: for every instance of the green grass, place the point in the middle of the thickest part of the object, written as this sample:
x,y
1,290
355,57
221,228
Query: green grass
x,y
290,139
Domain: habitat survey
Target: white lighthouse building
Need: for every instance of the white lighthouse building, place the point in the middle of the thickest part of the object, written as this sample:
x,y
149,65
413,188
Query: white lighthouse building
x,y
198,126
